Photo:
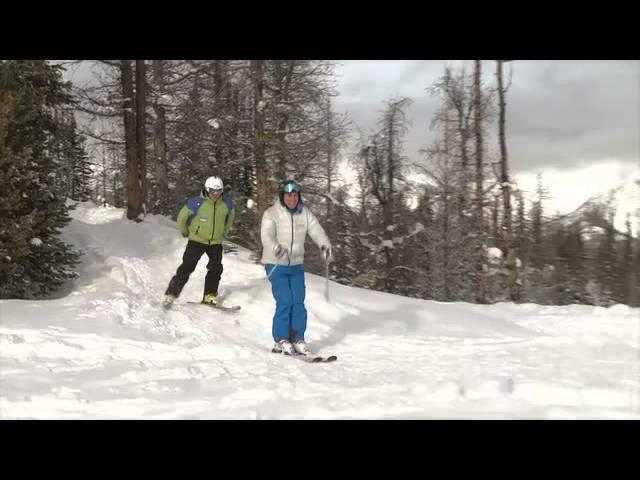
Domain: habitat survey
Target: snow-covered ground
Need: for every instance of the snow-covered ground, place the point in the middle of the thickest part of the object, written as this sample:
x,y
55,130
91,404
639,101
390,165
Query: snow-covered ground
x,y
107,350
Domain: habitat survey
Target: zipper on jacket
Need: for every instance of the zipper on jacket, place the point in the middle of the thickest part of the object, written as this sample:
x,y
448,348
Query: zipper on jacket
x,y
213,228
291,249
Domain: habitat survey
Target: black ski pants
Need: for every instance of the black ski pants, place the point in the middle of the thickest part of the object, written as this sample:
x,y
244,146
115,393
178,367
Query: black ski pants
x,y
190,259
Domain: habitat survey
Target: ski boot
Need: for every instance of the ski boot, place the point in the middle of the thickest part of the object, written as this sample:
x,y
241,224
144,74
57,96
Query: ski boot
x,y
283,346
168,301
210,299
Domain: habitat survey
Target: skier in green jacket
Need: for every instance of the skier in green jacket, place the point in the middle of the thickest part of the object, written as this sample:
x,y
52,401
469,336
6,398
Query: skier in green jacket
x,y
205,220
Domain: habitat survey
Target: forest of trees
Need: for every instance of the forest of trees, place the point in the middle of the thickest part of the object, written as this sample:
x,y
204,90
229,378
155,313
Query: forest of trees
x,y
143,135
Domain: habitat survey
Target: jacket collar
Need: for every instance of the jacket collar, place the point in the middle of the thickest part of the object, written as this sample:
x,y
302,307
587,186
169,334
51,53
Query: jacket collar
x,y
296,210
207,198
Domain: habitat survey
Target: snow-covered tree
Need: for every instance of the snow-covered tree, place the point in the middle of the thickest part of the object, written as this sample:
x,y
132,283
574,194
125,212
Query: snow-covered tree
x,y
33,259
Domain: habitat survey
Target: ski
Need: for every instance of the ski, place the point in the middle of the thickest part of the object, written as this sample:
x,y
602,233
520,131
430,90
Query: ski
x,y
312,358
229,308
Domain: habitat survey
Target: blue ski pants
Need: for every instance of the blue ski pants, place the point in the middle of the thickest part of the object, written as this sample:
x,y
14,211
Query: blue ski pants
x,y
288,288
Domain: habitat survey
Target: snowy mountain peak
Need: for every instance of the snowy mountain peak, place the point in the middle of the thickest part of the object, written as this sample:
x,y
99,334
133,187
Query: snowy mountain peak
x,y
622,201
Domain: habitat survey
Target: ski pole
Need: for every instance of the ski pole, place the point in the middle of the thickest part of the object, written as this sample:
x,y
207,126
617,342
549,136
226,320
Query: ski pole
x,y
326,276
271,272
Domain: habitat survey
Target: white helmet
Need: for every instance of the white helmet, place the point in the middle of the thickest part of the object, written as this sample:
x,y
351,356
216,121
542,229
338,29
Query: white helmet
x,y
213,183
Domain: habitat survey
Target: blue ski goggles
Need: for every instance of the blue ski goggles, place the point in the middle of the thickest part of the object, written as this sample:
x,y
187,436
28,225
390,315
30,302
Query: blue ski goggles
x,y
290,186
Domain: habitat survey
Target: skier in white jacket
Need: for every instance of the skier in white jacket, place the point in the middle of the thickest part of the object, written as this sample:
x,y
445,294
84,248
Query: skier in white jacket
x,y
284,228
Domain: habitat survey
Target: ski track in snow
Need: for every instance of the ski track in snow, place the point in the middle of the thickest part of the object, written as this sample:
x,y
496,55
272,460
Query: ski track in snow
x,y
106,349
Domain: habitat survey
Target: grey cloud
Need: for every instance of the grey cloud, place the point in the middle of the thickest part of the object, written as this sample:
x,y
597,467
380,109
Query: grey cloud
x,y
558,112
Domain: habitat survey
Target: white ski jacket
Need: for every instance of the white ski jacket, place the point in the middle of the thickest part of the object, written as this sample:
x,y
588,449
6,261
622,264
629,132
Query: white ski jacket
x,y
281,227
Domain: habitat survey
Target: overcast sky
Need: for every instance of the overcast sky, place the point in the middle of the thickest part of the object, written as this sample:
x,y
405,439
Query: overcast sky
x,y
576,121
558,112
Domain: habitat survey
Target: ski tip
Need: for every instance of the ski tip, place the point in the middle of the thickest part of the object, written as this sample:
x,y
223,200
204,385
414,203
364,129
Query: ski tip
x,y
308,358
230,308
234,308
320,359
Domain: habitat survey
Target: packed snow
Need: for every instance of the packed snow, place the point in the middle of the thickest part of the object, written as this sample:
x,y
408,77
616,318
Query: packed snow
x,y
105,349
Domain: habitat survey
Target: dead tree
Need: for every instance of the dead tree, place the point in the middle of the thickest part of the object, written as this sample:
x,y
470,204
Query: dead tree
x,y
481,284
505,185
134,188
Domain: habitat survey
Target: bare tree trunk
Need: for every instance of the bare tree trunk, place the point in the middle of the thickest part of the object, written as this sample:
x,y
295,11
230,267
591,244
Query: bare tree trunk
x,y
363,185
329,157
464,177
117,201
262,171
160,136
283,85
481,283
445,227
522,242
141,91
445,253
134,190
426,249
104,177
462,105
506,191
388,206
246,132
495,222
219,82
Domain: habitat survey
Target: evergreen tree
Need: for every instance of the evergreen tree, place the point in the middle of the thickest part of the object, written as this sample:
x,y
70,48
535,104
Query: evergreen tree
x,y
625,269
74,176
33,260
81,168
607,264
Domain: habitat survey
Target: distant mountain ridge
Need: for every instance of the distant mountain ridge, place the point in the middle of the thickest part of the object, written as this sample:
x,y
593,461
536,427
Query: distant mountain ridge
x,y
594,212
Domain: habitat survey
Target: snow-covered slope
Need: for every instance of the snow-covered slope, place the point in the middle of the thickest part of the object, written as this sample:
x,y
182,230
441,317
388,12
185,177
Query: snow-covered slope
x,y
107,350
